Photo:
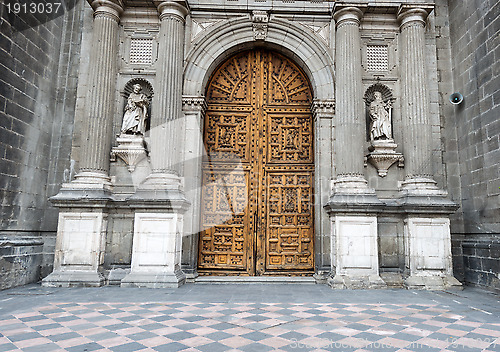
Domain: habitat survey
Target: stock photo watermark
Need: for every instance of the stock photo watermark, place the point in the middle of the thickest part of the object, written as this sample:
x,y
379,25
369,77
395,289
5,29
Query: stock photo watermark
x,y
24,14
451,342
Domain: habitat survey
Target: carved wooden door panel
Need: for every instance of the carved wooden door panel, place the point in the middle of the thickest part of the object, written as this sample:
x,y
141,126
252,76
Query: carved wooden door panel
x,y
257,200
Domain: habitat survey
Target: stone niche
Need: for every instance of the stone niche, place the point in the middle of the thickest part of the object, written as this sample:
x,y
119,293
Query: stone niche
x,y
382,150
132,148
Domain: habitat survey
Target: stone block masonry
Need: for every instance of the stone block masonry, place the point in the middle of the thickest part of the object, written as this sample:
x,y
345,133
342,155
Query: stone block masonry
x,y
35,82
482,262
475,58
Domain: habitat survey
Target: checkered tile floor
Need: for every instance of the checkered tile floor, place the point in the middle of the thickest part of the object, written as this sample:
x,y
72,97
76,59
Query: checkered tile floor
x,y
169,327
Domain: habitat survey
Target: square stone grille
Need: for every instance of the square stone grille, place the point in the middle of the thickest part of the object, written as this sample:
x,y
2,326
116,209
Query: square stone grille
x,y
377,57
141,51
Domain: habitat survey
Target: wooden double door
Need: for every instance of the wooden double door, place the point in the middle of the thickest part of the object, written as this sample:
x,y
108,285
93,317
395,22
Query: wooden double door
x,y
257,212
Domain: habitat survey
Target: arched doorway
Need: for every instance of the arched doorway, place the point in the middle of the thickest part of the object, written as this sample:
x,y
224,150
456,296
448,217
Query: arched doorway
x,y
257,213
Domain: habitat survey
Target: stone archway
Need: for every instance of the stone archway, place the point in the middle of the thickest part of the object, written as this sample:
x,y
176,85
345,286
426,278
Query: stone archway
x,y
313,57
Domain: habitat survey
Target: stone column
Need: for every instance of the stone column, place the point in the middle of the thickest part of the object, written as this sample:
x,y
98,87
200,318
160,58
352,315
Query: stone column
x,y
83,217
427,224
97,128
349,98
167,124
417,129
160,201
352,206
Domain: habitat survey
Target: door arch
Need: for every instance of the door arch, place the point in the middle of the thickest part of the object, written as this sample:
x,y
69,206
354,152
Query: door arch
x,y
257,213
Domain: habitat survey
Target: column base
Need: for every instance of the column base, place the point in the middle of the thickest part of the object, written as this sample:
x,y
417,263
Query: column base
x,y
356,282
421,186
161,191
92,188
438,283
154,280
73,278
350,193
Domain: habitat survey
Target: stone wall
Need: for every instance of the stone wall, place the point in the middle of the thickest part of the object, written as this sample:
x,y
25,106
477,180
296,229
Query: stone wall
x,y
475,62
482,261
37,85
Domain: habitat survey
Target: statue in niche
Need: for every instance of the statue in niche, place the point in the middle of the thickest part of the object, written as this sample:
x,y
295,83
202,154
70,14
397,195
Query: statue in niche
x,y
136,112
380,114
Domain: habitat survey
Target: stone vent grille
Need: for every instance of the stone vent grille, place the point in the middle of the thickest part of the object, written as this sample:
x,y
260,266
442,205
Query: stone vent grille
x,y
141,51
377,57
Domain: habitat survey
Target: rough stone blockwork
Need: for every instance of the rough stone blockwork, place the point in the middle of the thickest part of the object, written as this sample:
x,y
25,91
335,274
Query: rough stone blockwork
x,y
37,84
482,262
474,28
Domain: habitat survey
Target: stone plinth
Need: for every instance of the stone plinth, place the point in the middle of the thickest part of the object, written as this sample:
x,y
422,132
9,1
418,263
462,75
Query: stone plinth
x,y
81,237
356,253
428,254
156,252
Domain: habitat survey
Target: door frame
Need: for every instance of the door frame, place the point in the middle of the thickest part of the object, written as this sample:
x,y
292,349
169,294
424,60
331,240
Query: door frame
x,y
316,60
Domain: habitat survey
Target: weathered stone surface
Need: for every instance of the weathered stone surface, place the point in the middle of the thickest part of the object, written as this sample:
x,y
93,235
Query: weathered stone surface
x,y
442,46
38,69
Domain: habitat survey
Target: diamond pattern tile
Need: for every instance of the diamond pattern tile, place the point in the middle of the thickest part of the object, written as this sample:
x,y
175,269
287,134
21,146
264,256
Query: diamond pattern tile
x,y
194,326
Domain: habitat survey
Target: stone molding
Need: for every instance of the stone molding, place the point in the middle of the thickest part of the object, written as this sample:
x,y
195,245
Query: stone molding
x,y
226,37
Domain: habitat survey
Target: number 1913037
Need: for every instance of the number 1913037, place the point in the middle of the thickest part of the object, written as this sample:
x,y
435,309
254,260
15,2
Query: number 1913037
x,y
33,7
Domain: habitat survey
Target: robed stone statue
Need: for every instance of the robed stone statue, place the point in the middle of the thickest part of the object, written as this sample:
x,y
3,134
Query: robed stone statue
x,y
380,114
136,112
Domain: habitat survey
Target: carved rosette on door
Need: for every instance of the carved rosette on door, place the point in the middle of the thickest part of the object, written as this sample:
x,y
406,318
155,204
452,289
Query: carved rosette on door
x,y
257,200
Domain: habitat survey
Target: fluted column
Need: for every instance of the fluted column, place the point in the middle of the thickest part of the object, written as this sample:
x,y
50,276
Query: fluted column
x,y
349,126
417,129
97,129
167,124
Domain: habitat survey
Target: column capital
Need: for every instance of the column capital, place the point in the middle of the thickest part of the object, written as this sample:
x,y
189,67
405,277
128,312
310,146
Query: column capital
x,y
347,15
107,8
412,15
172,9
194,104
323,108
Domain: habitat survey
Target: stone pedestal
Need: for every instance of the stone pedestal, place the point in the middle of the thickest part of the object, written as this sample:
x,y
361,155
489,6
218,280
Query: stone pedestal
x,y
156,252
356,252
130,149
383,154
81,238
428,248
